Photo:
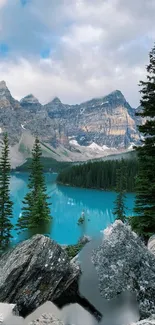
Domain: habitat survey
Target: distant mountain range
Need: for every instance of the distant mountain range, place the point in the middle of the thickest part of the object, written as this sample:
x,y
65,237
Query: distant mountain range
x,y
98,127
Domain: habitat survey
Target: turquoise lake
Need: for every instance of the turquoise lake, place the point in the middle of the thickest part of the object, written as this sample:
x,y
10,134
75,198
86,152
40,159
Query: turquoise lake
x,y
67,206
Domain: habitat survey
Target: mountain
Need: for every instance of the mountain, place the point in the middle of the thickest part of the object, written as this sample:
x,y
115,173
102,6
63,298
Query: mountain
x,y
107,121
95,128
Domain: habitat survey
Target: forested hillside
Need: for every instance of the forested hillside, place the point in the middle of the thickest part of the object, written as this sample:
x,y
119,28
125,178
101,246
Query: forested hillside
x,y
101,175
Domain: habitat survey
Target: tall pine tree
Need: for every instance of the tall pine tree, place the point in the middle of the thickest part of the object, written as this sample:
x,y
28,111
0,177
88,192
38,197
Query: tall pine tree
x,y
5,202
144,221
120,208
35,212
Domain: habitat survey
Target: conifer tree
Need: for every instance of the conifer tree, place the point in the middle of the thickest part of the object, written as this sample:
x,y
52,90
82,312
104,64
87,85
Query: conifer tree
x,y
119,210
35,212
144,221
5,202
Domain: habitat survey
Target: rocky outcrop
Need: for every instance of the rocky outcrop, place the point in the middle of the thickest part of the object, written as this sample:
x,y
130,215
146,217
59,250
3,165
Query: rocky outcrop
x,y
6,100
124,264
35,271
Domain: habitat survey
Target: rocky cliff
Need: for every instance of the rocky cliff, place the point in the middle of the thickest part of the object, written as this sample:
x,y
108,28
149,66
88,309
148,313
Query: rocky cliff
x,y
97,127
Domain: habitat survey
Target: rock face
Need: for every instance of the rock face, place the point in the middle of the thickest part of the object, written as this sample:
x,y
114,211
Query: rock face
x,y
109,121
123,263
102,123
35,271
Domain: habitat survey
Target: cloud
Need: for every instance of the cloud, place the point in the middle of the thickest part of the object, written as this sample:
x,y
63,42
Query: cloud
x,y
2,3
76,49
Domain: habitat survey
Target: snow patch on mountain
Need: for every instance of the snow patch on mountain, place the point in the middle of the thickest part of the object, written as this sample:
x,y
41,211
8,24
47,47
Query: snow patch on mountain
x,y
131,146
22,125
74,143
95,146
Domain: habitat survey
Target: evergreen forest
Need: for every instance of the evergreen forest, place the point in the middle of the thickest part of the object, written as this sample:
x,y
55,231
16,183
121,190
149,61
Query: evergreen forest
x,y
101,175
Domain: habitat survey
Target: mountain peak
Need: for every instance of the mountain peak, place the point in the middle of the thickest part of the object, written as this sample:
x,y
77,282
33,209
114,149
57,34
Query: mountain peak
x,y
56,100
117,93
3,85
29,99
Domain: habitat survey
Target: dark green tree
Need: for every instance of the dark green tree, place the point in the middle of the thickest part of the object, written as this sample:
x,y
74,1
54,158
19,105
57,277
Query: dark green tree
x,y
120,208
144,221
35,211
5,202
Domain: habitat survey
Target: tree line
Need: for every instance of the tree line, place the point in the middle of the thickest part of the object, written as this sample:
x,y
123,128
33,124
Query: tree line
x,y
101,175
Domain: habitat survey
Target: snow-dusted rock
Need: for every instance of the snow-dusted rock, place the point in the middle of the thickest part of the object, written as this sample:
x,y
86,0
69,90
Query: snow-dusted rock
x,y
122,264
148,321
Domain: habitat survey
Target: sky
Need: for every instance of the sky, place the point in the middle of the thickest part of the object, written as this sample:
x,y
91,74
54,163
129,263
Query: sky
x,y
75,49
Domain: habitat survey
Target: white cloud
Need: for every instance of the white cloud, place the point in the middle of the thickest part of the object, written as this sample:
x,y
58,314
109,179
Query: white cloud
x,y
47,79
95,47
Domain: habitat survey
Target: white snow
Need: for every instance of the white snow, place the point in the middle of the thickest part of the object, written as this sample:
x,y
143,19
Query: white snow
x,y
105,147
74,142
107,102
131,146
95,146
23,127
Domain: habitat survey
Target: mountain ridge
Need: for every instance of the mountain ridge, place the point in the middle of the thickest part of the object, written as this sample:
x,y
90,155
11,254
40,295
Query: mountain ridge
x,y
106,122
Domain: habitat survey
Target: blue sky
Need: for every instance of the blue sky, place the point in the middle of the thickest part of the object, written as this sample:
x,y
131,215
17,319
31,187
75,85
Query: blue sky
x,y
75,49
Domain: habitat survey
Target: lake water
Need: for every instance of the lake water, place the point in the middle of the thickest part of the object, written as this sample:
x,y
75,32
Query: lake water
x,y
67,206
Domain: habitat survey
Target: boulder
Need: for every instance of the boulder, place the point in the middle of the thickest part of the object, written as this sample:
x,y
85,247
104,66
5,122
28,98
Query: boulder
x,y
148,321
84,240
35,271
124,264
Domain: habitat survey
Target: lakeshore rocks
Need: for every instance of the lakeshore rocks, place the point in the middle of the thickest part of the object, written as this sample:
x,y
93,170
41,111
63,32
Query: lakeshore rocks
x,y
123,264
35,271
148,321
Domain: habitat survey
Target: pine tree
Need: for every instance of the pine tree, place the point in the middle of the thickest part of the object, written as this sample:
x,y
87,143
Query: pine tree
x,y
119,210
35,212
5,202
144,221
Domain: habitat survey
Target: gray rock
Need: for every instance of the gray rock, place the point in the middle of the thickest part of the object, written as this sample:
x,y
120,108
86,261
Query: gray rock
x,y
151,244
123,263
35,271
148,321
47,319
84,240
